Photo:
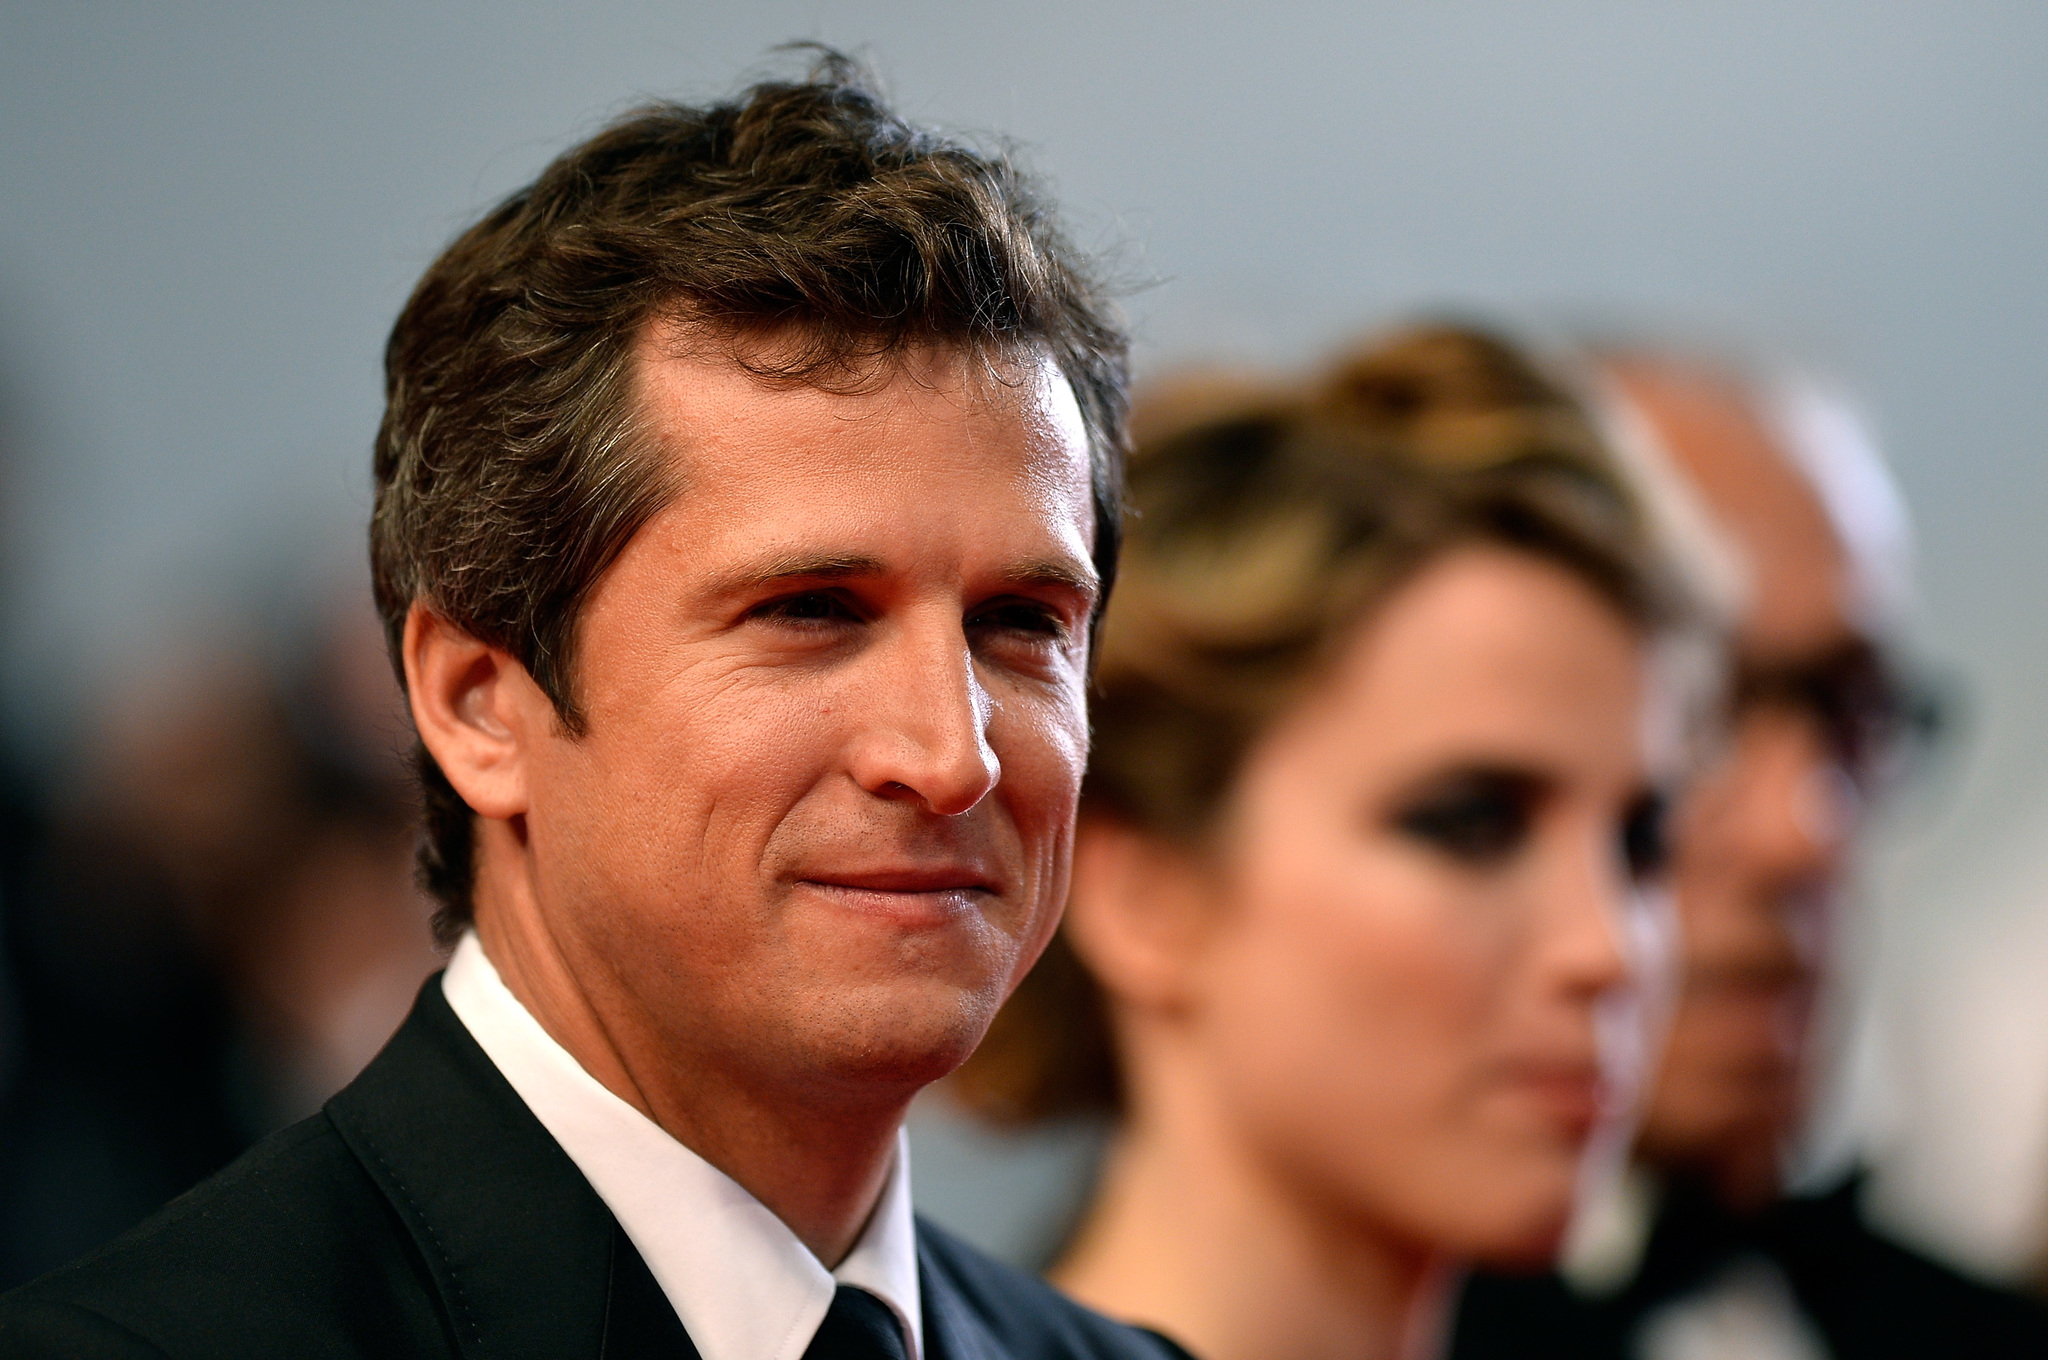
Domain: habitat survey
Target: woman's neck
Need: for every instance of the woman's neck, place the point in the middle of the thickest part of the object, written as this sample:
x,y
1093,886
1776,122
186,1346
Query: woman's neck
x,y
1187,1233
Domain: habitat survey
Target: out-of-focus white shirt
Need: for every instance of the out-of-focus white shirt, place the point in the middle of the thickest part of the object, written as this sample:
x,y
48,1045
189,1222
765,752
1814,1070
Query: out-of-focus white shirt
x,y
743,1285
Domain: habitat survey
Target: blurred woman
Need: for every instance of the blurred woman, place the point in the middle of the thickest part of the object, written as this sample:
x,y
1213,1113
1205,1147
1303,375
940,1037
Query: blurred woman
x,y
1358,884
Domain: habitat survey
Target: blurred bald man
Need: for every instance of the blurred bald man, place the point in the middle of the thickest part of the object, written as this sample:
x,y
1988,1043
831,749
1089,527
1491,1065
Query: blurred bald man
x,y
1786,507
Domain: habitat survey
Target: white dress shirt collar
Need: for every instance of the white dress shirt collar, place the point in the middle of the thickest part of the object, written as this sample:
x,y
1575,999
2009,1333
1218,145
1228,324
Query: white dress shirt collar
x,y
743,1285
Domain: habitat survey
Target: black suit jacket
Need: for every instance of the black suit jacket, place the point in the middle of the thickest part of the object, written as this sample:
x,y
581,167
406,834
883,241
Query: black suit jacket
x,y
426,1212
1870,1298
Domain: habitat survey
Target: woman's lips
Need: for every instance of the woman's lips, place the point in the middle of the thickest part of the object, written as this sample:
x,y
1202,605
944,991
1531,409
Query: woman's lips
x,y
1570,1095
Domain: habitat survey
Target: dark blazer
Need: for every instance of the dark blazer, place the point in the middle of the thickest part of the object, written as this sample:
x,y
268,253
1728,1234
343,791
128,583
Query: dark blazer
x,y
426,1212
1869,1298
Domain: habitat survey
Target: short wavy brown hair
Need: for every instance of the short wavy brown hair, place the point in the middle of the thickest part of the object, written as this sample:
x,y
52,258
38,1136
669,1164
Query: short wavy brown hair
x,y
509,468
1268,520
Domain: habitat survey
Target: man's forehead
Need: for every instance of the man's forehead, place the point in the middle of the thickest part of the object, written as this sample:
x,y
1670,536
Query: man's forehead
x,y
757,407
901,456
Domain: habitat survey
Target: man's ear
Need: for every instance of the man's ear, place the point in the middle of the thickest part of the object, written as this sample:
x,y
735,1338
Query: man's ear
x,y
1139,914
477,710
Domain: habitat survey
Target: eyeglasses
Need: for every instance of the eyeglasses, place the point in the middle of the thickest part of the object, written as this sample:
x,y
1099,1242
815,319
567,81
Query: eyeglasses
x,y
1876,722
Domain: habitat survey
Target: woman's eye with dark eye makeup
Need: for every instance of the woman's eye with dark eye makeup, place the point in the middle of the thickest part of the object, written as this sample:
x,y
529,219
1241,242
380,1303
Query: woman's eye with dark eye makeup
x,y
1477,819
1645,838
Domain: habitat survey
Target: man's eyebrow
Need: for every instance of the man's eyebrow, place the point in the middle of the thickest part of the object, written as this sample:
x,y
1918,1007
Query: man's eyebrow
x,y
794,567
1056,574
1047,573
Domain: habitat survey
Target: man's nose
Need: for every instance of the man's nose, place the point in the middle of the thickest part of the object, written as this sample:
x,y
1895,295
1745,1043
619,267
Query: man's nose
x,y
1790,808
924,736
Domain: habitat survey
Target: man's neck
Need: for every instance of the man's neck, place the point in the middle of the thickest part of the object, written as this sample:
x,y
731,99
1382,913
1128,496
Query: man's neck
x,y
820,1167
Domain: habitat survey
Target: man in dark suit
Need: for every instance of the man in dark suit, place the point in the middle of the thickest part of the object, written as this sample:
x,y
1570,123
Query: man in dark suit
x,y
746,496
1703,1251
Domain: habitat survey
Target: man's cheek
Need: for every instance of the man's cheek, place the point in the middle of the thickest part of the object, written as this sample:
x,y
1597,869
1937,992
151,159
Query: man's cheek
x,y
1051,739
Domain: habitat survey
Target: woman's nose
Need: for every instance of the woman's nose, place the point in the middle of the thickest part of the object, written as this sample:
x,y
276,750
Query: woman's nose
x,y
1585,943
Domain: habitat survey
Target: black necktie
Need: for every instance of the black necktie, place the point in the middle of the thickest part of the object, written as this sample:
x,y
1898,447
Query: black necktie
x,y
858,1326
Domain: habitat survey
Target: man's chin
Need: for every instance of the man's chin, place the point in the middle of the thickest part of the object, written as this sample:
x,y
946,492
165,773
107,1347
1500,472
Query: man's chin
x,y
1731,1130
906,1035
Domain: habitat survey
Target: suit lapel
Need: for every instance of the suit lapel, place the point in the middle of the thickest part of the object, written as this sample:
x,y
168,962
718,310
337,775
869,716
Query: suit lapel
x,y
520,1248
639,1322
952,1330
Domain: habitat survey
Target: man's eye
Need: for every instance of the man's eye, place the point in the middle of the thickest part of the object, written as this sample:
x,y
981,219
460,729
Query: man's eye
x,y
1036,620
814,606
1480,823
1645,838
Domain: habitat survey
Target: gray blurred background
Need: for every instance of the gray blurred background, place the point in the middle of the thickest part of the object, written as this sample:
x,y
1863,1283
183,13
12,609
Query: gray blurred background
x,y
211,214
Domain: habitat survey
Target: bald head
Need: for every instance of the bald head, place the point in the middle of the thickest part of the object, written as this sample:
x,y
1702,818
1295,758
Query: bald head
x,y
1801,588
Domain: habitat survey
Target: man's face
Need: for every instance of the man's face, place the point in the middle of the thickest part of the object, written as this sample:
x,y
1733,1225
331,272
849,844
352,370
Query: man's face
x,y
1762,841
819,822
